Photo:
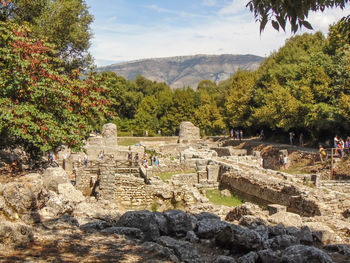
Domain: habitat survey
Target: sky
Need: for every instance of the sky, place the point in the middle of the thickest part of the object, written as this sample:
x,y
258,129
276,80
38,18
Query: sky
x,y
125,30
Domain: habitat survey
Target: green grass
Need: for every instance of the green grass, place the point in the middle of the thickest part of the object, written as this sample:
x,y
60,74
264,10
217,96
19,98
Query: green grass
x,y
128,141
167,175
294,170
215,197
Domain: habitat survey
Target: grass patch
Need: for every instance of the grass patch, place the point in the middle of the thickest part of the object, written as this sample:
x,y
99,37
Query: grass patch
x,y
216,198
124,133
295,170
167,175
128,141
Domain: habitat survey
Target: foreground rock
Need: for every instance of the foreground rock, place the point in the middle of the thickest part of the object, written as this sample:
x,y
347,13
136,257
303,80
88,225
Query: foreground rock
x,y
85,229
14,235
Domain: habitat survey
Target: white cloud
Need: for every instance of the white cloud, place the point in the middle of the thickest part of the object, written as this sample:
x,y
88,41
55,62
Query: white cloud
x,y
321,21
173,12
112,19
236,6
209,2
235,34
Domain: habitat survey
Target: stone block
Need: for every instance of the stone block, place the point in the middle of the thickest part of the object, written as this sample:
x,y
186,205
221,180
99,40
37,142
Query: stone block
x,y
315,179
275,208
109,134
213,172
202,176
188,132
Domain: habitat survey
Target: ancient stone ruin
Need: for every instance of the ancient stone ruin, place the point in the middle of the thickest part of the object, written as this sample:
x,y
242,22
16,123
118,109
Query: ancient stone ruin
x,y
188,133
285,217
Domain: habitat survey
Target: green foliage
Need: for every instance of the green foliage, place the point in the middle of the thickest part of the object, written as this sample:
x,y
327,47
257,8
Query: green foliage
x,y
296,88
41,107
295,12
216,198
207,116
146,117
181,109
238,99
66,24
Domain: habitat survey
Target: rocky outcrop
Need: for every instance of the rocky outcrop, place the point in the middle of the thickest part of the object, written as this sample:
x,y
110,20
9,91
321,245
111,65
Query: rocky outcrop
x,y
22,199
15,235
171,235
52,177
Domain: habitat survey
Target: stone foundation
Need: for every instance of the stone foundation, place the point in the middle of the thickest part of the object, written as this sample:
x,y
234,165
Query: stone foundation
x,y
263,193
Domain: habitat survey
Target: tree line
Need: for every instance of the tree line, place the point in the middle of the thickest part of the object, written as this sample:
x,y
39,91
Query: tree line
x,y
303,86
50,96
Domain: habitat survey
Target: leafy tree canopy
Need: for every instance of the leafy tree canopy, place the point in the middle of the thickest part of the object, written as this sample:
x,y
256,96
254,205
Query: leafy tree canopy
x,y
294,11
41,107
64,23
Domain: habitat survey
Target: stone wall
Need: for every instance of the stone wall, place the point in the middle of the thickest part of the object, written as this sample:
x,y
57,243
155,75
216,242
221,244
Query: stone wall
x,y
188,132
268,192
229,151
107,178
131,191
84,179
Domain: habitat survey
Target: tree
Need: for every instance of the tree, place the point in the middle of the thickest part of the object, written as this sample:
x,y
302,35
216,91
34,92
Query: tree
x,y
238,99
64,23
299,87
146,116
207,116
41,107
181,109
296,11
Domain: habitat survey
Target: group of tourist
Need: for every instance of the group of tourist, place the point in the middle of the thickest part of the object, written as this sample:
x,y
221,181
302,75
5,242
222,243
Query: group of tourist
x,y
341,146
154,159
85,160
236,134
292,138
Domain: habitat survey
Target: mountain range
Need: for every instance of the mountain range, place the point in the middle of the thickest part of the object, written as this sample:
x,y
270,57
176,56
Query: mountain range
x,y
183,71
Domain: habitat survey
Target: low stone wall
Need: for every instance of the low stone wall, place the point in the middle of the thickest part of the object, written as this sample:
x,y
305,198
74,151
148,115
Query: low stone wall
x,y
131,191
290,196
170,167
188,179
84,180
229,151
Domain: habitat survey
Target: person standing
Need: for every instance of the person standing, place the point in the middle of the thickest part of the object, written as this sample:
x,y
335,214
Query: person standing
x,y
85,160
100,156
262,135
301,139
64,156
241,134
136,159
130,158
291,137
152,160
323,154
336,140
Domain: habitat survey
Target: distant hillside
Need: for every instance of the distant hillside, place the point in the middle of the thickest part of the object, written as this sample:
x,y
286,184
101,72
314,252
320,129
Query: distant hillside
x,y
186,70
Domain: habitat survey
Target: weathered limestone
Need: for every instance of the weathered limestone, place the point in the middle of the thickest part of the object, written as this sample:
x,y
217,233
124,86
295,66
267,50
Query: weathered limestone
x,y
275,208
188,133
229,151
109,134
106,187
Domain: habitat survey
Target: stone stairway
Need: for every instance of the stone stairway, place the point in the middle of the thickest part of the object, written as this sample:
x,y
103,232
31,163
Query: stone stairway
x,y
128,170
337,185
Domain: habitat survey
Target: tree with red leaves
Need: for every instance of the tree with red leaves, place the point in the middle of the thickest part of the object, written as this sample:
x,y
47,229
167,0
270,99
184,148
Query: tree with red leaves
x,y
42,107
